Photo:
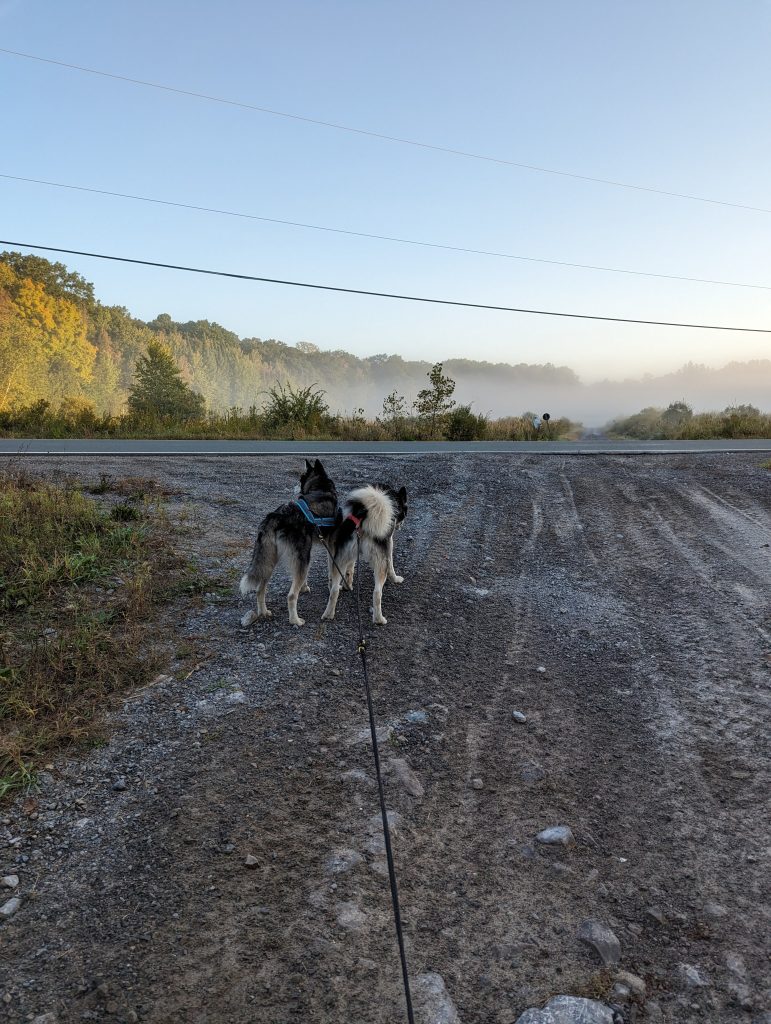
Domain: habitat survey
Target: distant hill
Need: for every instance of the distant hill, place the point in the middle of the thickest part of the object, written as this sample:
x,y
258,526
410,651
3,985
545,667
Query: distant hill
x,y
57,341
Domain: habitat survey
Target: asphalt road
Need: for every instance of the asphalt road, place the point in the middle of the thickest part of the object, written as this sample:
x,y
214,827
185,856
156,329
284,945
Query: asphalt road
x,y
24,446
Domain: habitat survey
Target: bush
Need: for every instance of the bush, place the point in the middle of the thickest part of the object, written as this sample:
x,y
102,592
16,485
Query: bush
x,y
302,411
464,425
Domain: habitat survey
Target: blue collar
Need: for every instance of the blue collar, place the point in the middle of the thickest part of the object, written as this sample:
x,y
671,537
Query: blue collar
x,y
318,521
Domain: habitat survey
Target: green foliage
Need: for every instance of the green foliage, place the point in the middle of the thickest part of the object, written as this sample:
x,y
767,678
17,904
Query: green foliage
x,y
464,425
394,407
159,391
432,403
678,422
295,411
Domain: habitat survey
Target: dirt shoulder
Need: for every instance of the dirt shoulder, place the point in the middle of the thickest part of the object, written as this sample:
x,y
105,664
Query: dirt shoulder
x,y
638,585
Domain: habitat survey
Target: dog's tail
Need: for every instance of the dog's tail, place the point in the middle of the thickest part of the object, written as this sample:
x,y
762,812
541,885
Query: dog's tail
x,y
380,517
248,584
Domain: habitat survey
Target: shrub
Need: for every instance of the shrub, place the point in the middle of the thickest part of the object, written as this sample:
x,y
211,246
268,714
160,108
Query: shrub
x,y
464,425
304,410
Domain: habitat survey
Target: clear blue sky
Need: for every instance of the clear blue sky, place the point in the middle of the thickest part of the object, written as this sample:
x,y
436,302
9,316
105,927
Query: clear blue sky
x,y
674,96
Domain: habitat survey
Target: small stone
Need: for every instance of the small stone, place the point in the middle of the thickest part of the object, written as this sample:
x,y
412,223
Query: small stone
x,y
402,772
620,993
541,669
532,773
45,1018
250,617
692,977
119,785
635,984
569,1010
416,717
602,940
518,716
655,914
350,916
715,911
477,783
250,861
432,1000
9,908
358,777
236,697
9,881
342,860
336,672
557,835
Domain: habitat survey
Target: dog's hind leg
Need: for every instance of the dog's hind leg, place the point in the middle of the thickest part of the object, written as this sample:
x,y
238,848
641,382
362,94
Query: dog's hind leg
x,y
299,566
258,575
391,571
380,569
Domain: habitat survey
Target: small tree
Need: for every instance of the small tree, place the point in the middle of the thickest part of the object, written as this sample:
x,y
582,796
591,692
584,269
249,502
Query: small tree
x,y
433,402
394,407
159,390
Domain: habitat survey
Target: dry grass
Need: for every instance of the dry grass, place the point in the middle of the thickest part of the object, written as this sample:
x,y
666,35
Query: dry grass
x,y
78,584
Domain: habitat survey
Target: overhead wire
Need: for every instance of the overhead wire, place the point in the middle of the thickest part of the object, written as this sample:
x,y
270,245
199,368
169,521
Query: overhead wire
x,y
386,295
467,154
383,238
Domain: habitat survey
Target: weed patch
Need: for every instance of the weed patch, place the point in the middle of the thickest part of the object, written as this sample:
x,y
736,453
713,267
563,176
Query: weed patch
x,y
78,585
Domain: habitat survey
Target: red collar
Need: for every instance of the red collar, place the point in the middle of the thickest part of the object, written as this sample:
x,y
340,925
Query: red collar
x,y
356,522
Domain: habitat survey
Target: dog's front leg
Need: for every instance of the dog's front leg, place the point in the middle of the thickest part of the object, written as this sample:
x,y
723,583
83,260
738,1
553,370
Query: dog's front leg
x,y
334,593
299,580
391,571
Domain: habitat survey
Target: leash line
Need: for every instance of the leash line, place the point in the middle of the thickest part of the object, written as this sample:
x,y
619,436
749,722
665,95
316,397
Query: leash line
x,y
362,649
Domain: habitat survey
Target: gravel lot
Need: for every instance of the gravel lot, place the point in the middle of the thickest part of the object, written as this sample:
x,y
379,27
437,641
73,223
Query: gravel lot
x,y
620,604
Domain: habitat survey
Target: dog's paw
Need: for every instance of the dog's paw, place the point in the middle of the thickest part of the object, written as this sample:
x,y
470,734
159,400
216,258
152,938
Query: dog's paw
x,y
306,589
396,579
297,622
267,614
382,621
328,616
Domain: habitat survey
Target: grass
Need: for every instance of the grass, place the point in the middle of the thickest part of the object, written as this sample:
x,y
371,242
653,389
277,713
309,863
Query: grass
x,y
679,423
298,415
78,585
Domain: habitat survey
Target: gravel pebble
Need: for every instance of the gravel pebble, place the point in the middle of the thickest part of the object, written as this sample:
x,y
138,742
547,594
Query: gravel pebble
x,y
557,835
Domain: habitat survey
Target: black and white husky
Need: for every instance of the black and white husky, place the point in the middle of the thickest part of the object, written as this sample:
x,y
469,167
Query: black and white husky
x,y
375,512
287,536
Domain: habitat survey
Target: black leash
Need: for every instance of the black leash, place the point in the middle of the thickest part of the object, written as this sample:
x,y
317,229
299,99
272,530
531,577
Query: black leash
x,y
384,814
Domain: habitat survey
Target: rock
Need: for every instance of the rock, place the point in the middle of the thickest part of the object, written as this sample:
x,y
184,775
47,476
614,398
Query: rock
x,y
532,773
518,716
45,1018
350,916
384,734
250,861
358,777
568,1010
656,915
9,881
250,617
433,1004
620,993
636,985
558,835
119,785
9,908
402,772
736,965
714,911
692,977
477,784
416,717
235,697
541,669
602,940
342,860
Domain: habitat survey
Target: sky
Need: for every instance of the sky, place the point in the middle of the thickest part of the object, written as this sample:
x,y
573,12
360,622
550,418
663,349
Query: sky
x,y
669,96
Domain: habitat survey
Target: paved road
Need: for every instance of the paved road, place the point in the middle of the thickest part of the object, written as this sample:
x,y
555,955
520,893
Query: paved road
x,y
16,446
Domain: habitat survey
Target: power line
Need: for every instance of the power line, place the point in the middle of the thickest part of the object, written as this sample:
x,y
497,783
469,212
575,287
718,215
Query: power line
x,y
383,238
385,295
386,138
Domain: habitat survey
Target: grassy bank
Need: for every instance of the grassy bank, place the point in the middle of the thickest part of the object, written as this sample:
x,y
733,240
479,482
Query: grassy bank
x,y
79,578
679,423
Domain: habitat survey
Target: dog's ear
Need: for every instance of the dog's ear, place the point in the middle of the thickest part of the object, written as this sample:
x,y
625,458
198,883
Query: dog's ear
x,y
318,467
402,495
308,465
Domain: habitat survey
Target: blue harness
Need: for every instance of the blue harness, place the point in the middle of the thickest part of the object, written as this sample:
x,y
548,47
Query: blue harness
x,y
320,522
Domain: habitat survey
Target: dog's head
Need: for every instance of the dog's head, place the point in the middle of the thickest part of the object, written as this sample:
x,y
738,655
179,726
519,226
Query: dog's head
x,y
399,498
314,478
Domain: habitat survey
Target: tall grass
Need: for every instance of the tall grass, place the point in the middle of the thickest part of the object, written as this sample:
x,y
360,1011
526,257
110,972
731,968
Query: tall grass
x,y
678,422
287,414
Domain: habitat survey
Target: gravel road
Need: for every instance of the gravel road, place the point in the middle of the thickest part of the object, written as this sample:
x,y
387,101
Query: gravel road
x,y
236,873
